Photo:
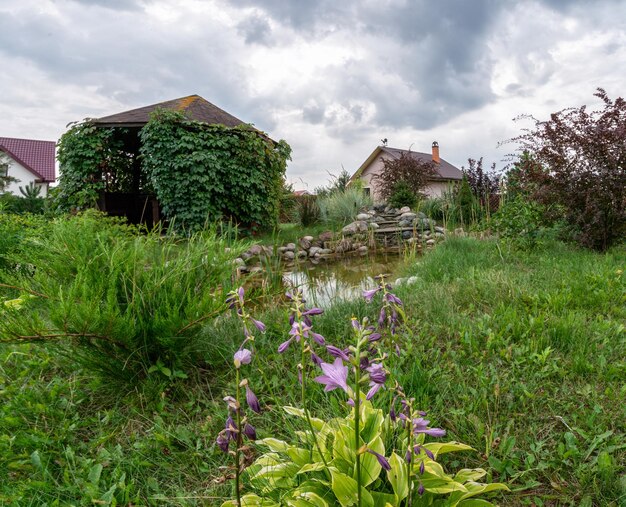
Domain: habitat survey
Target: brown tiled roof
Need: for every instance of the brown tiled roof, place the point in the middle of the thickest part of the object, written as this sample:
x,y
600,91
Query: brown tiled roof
x,y
193,106
445,170
36,156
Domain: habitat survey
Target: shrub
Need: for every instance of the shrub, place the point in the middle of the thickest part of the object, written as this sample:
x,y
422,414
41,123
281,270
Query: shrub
x,y
308,210
342,207
121,304
402,196
414,172
582,160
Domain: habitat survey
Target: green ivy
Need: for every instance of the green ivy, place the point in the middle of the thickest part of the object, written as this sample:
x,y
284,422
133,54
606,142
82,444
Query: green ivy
x,y
92,159
203,172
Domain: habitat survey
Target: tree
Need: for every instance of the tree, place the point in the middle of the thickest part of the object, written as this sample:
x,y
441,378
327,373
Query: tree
x,y
483,183
415,173
338,183
5,179
583,154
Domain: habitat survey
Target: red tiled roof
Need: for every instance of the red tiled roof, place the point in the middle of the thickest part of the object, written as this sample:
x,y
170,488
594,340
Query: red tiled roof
x,y
36,156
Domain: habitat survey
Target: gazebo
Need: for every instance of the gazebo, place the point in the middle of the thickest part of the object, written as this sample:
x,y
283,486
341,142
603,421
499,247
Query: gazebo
x,y
137,203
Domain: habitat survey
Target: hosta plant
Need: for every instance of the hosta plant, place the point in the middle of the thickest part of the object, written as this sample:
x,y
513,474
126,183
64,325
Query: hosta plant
x,y
293,473
366,458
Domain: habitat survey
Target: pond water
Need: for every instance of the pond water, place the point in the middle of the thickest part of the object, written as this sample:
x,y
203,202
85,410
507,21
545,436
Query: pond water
x,y
344,278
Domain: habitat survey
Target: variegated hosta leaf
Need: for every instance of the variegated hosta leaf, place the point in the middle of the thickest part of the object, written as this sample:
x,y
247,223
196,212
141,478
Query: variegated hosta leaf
x,y
438,448
397,477
474,489
298,412
251,500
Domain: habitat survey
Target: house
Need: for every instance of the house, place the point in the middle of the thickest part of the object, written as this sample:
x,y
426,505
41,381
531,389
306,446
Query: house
x,y
27,161
447,174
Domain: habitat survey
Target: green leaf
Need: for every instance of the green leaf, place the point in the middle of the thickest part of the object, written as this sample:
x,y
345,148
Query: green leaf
x,y
370,467
397,477
438,448
312,467
94,474
469,474
298,412
345,489
274,444
306,499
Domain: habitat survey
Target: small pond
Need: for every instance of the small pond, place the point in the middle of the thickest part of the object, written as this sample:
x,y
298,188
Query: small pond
x,y
344,278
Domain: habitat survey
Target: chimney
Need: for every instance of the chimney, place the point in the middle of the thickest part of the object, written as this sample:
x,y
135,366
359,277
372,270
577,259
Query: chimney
x,y
435,152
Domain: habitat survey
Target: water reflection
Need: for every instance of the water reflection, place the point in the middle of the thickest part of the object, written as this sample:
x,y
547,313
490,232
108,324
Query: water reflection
x,y
341,279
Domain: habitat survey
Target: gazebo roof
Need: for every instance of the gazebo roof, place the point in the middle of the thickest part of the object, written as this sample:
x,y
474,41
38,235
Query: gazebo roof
x,y
193,106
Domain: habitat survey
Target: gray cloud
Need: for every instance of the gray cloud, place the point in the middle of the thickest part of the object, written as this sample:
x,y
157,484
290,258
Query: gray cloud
x,y
256,29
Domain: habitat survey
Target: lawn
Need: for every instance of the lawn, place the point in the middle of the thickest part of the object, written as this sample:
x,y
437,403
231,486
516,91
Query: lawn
x,y
521,355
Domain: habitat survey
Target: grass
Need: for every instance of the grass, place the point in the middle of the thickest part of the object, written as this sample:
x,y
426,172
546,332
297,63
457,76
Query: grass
x,y
520,354
290,233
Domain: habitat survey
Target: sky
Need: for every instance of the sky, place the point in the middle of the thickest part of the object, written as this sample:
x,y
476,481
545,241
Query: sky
x,y
331,77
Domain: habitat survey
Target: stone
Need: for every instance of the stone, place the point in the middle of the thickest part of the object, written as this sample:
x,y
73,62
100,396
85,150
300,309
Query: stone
x,y
282,249
407,234
405,223
373,225
354,227
440,229
309,238
315,251
408,216
345,245
411,280
326,236
255,250
289,255
362,249
379,208
304,243
399,281
363,216
290,247
404,209
239,262
268,251
302,254
246,256
430,242
421,215
326,251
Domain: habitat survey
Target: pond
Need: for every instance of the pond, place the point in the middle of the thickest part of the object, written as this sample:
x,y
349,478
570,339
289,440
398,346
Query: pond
x,y
342,279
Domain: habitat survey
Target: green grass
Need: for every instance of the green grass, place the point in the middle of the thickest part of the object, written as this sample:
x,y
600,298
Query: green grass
x,y
520,354
290,233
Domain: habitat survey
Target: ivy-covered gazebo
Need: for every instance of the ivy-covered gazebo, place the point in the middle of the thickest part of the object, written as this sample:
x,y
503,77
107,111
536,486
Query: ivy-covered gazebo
x,y
185,160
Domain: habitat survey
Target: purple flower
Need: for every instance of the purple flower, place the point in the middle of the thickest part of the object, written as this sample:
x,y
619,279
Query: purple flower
x,y
381,459
337,352
222,441
377,373
314,311
258,324
317,360
407,456
243,356
240,293
373,390
284,346
422,468
382,317
421,489
350,402
420,425
253,401
374,337
335,375
230,429
249,431
392,298
318,338
356,324
369,294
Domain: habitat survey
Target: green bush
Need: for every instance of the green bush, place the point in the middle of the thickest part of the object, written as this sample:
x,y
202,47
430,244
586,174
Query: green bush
x,y
14,231
308,210
402,195
122,304
343,207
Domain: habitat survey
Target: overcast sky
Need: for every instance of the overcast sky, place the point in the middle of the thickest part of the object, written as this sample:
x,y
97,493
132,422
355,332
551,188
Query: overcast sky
x,y
331,77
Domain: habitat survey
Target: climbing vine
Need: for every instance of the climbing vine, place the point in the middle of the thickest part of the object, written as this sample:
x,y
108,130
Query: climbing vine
x,y
92,159
203,172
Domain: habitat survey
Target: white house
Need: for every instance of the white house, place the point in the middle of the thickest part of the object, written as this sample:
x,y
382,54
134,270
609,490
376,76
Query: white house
x,y
447,174
27,161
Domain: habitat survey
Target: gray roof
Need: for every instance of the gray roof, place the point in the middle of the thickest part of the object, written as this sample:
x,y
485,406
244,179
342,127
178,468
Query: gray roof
x,y
445,169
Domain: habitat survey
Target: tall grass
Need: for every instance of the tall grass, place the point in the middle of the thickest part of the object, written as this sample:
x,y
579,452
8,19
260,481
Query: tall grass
x,y
122,304
340,208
